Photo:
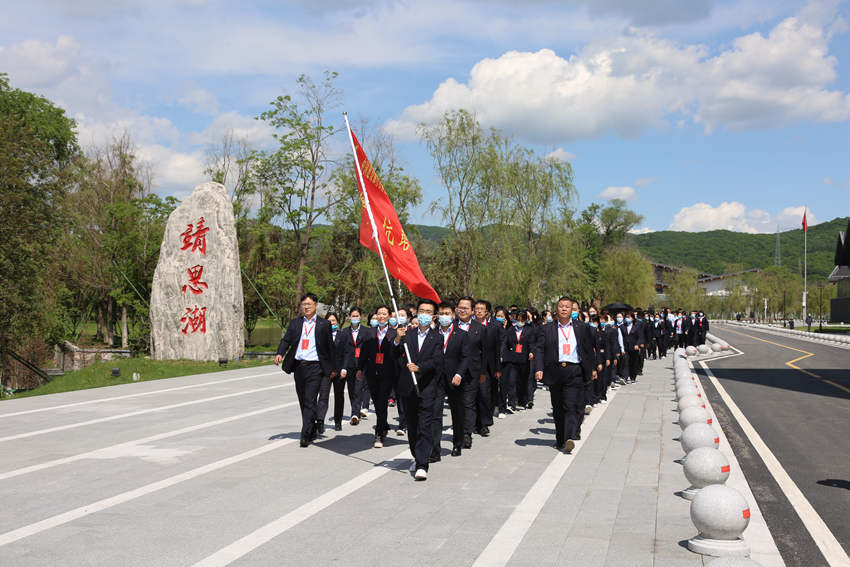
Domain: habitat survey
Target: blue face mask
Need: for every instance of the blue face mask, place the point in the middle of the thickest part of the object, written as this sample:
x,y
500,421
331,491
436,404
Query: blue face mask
x,y
574,315
519,324
424,319
500,319
444,320
402,321
548,319
628,319
334,326
355,321
393,321
619,320
594,325
374,322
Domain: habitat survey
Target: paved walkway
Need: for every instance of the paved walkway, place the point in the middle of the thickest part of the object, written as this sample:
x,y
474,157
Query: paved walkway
x,y
206,470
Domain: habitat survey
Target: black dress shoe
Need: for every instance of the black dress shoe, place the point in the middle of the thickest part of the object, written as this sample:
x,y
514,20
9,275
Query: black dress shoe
x,y
577,437
320,427
313,434
485,431
467,441
455,451
338,427
435,459
305,441
529,405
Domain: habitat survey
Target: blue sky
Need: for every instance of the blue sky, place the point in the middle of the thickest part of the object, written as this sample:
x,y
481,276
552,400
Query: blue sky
x,y
703,114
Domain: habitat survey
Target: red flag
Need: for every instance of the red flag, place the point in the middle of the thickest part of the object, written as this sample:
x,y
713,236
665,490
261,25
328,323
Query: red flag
x,y
398,252
805,224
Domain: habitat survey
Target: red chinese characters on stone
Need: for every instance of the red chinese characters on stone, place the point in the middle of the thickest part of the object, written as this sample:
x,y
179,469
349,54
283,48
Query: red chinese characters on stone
x,y
195,236
195,284
195,320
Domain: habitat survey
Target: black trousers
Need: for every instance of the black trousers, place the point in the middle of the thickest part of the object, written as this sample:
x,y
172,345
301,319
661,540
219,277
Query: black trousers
x,y
635,360
455,394
470,407
308,381
380,388
420,414
566,391
681,340
515,383
484,402
338,384
355,390
402,413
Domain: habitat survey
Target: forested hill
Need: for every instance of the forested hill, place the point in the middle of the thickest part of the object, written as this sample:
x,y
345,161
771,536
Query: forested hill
x,y
711,252
714,251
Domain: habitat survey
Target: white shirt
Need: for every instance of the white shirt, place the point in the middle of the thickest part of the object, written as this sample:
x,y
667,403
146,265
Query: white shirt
x,y
421,336
354,332
308,333
382,334
567,336
464,326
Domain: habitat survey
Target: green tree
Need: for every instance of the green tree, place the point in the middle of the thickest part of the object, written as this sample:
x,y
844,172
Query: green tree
x,y
685,292
38,149
627,276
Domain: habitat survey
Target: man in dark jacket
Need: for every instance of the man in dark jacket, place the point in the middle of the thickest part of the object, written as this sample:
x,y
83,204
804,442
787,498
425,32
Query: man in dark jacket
x,y
491,366
307,350
452,381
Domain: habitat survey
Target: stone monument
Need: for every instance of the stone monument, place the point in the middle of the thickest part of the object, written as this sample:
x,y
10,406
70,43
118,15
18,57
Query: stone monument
x,y
197,306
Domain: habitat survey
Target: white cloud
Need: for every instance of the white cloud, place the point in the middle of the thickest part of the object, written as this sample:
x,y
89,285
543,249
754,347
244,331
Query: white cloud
x,y
830,182
179,172
561,155
624,193
256,133
644,181
638,81
644,230
199,100
736,217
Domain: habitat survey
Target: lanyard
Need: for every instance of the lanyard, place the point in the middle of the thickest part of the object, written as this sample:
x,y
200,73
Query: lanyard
x,y
447,337
381,337
354,335
568,333
518,335
306,330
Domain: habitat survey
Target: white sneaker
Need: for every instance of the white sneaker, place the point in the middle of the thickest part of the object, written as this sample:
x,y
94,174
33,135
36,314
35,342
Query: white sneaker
x,y
364,413
501,415
400,432
378,443
412,467
421,474
587,410
603,401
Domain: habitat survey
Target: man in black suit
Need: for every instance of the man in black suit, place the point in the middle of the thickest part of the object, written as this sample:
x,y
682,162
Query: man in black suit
x,y
689,329
473,383
453,380
491,367
307,349
378,364
702,328
517,352
349,344
633,335
564,360
426,361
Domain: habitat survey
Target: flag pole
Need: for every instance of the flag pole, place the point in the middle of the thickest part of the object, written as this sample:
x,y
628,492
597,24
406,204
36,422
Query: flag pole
x,y
805,260
368,208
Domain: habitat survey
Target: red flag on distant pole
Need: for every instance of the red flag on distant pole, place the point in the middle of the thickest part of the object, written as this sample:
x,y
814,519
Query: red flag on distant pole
x,y
381,231
805,224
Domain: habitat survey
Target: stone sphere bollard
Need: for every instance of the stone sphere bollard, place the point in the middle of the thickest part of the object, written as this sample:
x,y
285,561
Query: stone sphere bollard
x,y
699,435
732,561
686,390
703,349
703,467
721,515
690,401
691,351
716,347
694,414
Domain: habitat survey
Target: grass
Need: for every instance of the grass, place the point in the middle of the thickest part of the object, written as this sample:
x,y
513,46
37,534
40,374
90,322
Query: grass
x,y
99,374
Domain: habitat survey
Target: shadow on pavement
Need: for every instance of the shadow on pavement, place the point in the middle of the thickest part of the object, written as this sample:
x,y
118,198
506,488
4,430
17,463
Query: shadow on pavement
x,y
790,379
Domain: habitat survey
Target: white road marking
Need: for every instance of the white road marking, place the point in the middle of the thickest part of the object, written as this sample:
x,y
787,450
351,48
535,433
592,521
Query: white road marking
x,y
139,412
820,532
245,545
71,515
97,453
506,541
152,392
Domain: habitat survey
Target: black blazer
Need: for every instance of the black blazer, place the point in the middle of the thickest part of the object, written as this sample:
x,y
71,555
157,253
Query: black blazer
x,y
546,351
346,347
491,347
291,342
612,342
509,344
429,360
455,356
370,351
633,338
475,338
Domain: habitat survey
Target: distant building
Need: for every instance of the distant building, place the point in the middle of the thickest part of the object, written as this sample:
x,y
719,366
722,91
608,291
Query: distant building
x,y
712,284
839,308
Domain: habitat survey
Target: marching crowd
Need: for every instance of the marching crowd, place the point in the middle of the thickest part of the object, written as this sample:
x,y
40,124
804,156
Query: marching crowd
x,y
485,362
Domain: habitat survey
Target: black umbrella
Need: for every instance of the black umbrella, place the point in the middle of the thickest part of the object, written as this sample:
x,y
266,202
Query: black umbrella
x,y
618,306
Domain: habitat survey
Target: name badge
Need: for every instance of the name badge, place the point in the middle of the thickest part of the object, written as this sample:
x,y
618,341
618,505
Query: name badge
x,y
379,358
357,352
305,344
518,349
566,348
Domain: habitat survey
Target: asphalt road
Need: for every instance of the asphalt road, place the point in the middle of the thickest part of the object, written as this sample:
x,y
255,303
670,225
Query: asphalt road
x,y
803,415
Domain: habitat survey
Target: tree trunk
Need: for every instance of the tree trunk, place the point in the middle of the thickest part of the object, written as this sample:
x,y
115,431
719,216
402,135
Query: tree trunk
x,y
99,335
110,324
124,335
